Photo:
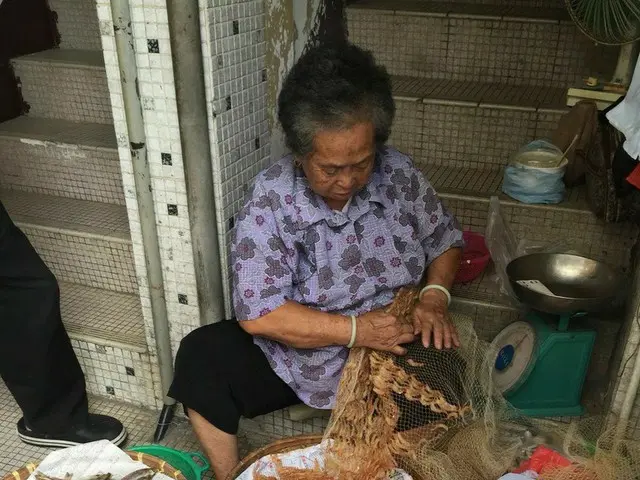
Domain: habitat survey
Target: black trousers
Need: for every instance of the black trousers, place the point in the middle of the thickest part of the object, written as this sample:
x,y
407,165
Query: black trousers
x,y
37,362
221,374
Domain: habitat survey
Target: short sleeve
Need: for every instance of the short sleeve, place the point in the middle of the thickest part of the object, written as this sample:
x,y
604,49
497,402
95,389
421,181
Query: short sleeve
x,y
438,229
261,277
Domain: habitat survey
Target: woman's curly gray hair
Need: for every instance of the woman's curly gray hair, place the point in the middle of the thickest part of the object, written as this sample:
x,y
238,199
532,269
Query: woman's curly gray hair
x,y
333,88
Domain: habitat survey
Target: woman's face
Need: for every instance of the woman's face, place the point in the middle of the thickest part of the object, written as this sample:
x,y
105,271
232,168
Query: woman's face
x,y
341,162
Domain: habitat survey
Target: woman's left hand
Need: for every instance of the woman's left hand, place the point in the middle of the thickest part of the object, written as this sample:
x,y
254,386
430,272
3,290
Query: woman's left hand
x,y
431,318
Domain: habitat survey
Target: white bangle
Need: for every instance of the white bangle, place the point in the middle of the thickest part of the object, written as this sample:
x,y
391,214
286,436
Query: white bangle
x,y
436,287
353,332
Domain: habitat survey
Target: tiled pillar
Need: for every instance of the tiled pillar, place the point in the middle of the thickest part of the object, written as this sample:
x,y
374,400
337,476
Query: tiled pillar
x,y
157,91
233,49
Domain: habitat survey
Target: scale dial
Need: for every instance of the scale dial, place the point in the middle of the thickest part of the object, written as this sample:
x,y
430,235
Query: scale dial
x,y
515,346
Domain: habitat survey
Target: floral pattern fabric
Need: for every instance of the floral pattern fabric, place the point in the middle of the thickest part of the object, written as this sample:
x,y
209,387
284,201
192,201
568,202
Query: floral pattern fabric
x,y
289,245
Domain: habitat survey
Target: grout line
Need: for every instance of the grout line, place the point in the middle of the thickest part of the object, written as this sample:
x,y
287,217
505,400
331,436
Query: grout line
x,y
457,299
406,98
410,13
23,138
83,337
552,110
56,63
472,16
507,17
549,21
453,103
122,238
497,106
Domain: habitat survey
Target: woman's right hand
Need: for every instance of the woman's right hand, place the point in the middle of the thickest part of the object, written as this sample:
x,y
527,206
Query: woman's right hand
x,y
382,331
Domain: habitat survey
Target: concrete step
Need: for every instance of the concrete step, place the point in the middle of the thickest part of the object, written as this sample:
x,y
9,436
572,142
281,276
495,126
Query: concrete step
x,y
262,430
466,191
488,3
65,84
58,157
77,24
470,124
83,242
119,373
517,45
107,332
103,317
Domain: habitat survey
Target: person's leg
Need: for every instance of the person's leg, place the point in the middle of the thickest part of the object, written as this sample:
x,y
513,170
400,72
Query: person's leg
x,y
221,375
221,448
37,361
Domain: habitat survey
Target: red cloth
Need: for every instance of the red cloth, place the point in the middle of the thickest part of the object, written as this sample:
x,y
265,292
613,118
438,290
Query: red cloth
x,y
634,177
543,458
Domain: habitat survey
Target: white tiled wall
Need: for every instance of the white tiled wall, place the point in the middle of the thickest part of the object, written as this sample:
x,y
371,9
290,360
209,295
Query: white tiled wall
x,y
235,78
117,373
155,76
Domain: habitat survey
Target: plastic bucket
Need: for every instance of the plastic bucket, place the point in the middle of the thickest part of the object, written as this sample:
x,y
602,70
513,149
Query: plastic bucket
x,y
191,464
475,258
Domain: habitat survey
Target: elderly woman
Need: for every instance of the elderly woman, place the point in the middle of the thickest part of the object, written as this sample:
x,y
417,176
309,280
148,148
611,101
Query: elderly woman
x,y
327,237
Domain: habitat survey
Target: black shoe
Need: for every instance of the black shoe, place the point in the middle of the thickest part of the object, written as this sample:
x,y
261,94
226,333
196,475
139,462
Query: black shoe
x,y
98,427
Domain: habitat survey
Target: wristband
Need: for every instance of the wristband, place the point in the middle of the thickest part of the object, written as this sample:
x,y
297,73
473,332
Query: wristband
x,y
436,287
353,332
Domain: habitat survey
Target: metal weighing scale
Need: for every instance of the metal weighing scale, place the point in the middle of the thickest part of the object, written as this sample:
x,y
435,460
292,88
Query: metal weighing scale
x,y
542,362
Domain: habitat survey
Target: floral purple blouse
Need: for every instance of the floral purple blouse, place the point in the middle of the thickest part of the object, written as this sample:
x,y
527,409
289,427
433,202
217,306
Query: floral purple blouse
x,y
289,245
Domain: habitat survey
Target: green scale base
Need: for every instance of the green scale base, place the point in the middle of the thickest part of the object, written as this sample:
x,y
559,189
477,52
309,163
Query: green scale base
x,y
553,385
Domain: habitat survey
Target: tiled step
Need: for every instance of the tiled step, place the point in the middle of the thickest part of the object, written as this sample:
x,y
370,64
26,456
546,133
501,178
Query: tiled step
x,y
470,124
58,157
103,317
553,12
77,24
522,3
86,243
466,191
518,45
119,373
262,430
107,331
474,93
65,84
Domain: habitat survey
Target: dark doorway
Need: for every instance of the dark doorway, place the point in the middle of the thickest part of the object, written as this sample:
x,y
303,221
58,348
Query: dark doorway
x,y
26,26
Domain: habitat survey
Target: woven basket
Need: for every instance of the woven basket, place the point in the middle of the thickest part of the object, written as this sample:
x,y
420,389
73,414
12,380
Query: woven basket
x,y
283,446
157,464
280,446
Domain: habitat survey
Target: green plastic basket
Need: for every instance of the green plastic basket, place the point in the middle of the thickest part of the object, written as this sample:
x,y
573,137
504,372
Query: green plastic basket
x,y
191,464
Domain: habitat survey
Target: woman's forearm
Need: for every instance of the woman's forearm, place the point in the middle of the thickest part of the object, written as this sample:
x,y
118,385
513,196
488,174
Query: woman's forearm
x,y
443,269
301,327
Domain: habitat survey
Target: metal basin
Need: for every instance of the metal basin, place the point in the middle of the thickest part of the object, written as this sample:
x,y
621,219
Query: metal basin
x,y
579,284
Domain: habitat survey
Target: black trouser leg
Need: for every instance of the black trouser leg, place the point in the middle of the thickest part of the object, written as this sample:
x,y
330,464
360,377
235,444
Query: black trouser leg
x,y
37,362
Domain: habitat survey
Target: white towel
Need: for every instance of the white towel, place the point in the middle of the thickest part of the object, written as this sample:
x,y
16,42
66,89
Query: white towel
x,y
626,116
89,459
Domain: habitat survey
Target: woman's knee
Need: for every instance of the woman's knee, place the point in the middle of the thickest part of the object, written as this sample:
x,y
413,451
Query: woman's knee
x,y
205,345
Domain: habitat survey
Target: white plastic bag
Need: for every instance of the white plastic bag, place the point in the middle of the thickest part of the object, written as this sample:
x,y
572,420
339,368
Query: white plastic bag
x,y
535,174
504,246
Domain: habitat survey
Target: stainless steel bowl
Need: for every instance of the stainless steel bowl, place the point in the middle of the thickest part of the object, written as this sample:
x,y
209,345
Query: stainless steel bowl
x,y
579,284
